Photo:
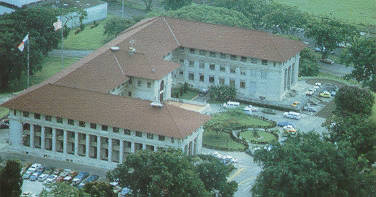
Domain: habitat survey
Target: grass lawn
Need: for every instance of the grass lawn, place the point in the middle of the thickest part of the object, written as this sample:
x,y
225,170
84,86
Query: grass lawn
x,y
353,11
50,66
373,115
190,94
237,118
3,112
89,39
221,141
264,137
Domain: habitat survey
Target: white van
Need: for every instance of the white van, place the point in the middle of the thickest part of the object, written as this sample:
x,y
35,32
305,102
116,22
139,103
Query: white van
x,y
292,115
231,104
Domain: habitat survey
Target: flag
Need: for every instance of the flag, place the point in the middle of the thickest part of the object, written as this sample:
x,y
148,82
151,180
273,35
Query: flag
x,y
21,46
58,25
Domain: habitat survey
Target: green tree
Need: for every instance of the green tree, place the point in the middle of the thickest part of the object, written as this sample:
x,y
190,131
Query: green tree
x,y
354,100
10,179
148,4
99,189
308,65
356,129
36,21
362,55
161,173
328,33
63,190
115,25
213,174
210,14
222,93
306,165
175,4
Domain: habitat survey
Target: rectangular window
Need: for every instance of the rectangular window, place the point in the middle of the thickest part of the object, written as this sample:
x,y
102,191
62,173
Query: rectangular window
x,y
59,120
243,59
222,68
127,132
192,51
191,76
202,52
211,79
181,61
202,77
70,122
242,84
149,84
264,62
221,81
139,82
191,63
129,93
181,73
212,54
37,116
48,118
104,127
274,63
212,66
138,133
161,137
15,112
223,55
81,124
25,114
232,83
150,136
233,57
263,74
115,129
232,70
253,60
172,140
202,65
93,125
242,72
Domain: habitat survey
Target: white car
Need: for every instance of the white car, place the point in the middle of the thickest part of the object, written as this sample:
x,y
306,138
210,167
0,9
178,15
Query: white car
x,y
51,179
250,108
34,167
292,115
231,104
317,84
309,93
43,177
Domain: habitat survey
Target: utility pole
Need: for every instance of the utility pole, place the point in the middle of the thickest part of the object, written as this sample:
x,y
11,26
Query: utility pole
x,y
122,8
62,33
28,60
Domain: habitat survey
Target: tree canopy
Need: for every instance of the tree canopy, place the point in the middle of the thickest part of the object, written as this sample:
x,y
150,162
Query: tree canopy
x,y
175,4
171,173
115,25
354,100
307,165
38,22
308,65
99,189
11,179
210,14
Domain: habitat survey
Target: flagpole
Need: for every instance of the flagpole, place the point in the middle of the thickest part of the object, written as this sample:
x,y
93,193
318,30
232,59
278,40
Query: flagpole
x,y
28,61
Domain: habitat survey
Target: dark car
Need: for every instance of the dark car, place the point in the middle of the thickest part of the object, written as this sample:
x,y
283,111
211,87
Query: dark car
x,y
79,178
4,124
283,124
90,179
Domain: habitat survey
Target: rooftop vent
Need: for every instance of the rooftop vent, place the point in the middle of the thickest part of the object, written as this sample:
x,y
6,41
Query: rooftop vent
x,y
153,70
132,47
156,104
115,48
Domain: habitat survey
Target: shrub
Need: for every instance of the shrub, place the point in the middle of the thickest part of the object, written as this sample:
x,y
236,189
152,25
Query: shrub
x,y
352,99
222,93
308,65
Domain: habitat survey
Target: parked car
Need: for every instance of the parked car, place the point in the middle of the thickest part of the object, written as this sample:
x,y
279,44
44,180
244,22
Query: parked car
x,y
27,174
283,124
4,124
35,176
43,176
35,166
317,84
327,61
325,94
70,176
79,178
250,108
231,104
268,111
124,192
90,179
309,93
295,103
333,93
292,115
51,179
309,109
57,171
289,129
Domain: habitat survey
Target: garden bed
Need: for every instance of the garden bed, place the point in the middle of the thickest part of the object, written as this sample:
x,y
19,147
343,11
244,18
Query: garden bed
x,y
221,141
258,137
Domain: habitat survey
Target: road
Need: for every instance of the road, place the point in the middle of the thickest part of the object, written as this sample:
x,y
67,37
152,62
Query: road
x,y
335,69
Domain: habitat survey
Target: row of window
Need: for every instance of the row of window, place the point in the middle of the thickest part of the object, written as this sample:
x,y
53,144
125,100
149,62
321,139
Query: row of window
x,y
140,83
221,80
224,56
94,126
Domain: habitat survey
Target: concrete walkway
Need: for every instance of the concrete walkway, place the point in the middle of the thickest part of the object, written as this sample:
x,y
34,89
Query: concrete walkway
x,y
338,70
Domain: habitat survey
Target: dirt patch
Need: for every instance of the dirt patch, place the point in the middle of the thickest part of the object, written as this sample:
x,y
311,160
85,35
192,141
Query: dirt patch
x,y
191,107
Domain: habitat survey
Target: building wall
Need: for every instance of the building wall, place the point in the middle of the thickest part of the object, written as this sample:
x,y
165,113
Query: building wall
x,y
77,141
19,3
95,13
253,78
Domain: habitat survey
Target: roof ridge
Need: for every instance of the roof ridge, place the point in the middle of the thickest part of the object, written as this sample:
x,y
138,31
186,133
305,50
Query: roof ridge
x,y
172,32
117,61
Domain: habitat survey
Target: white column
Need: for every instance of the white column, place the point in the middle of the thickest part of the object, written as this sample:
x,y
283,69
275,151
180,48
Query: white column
x,y
98,147
76,143
87,144
65,142
192,147
132,147
31,135
121,151
15,133
109,149
143,146
155,148
42,138
53,139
